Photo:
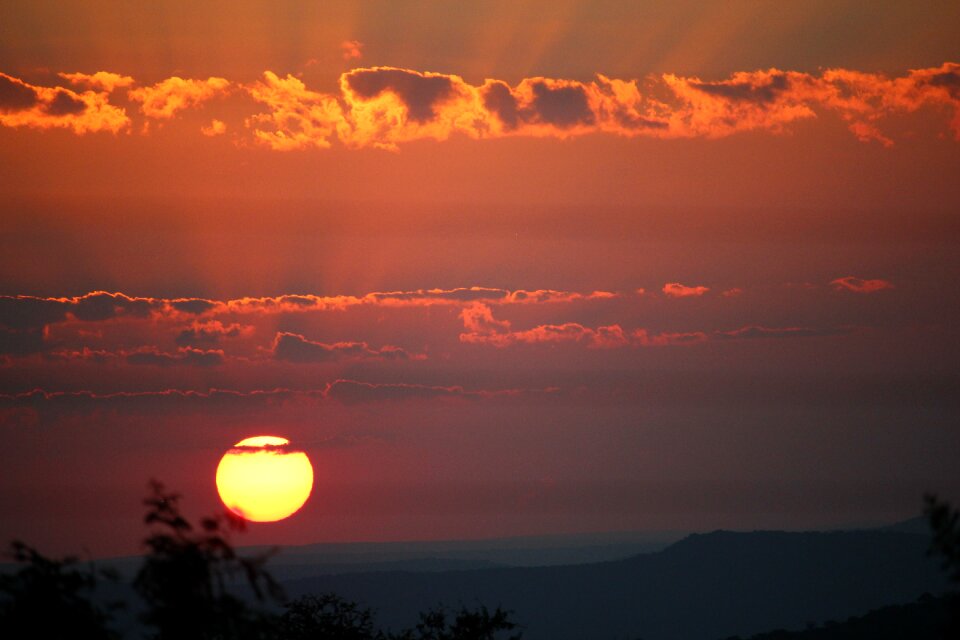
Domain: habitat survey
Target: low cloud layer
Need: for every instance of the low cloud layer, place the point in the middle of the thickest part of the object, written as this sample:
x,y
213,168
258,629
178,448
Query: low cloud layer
x,y
103,327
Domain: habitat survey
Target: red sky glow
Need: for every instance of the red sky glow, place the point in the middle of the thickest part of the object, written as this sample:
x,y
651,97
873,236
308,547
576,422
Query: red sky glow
x,y
498,268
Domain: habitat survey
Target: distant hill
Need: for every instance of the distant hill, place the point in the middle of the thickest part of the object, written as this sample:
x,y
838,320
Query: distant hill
x,y
704,587
919,525
297,561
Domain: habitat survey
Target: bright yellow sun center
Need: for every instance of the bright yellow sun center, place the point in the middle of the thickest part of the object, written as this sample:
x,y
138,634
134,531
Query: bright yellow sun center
x,y
260,480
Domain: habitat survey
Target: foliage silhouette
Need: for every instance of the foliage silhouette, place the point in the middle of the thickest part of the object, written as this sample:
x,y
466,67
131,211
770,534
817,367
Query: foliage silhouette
x,y
48,599
328,615
185,576
466,625
945,523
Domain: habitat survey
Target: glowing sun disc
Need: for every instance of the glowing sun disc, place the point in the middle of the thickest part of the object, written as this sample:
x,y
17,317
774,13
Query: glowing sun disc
x,y
262,480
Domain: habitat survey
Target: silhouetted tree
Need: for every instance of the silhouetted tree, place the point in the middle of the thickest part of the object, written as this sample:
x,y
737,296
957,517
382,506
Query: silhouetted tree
x,y
184,577
466,625
326,616
50,599
945,524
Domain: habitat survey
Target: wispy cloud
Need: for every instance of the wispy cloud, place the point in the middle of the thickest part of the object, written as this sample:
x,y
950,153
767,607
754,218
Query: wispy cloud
x,y
677,290
859,285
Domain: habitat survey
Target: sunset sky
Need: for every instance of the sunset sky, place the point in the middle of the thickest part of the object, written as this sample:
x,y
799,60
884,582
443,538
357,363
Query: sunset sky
x,y
498,268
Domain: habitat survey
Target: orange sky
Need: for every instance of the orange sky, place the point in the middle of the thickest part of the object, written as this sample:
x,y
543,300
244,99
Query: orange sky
x,y
499,269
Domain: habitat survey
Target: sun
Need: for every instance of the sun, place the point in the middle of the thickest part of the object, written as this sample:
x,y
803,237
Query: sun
x,y
261,479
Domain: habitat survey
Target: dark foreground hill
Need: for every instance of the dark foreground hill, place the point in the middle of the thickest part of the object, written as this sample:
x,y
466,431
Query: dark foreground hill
x,y
704,587
928,618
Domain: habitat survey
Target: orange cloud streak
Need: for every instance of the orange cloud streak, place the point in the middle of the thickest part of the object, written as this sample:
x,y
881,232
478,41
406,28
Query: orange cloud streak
x,y
859,285
164,99
677,290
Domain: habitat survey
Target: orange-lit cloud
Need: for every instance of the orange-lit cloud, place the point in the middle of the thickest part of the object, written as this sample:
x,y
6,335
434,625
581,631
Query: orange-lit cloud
x,y
859,285
480,327
677,290
298,118
211,333
601,337
101,80
387,106
293,347
352,49
752,332
215,128
164,99
23,313
26,105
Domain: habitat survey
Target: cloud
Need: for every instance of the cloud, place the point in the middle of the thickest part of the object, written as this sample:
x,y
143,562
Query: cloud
x,y
758,87
215,128
185,356
292,347
540,296
352,391
752,332
859,285
601,337
560,103
478,320
677,290
164,99
210,333
440,296
101,80
642,338
352,49
26,105
480,327
386,106
298,118
30,312
195,306
64,104
420,94
16,95
33,312
99,356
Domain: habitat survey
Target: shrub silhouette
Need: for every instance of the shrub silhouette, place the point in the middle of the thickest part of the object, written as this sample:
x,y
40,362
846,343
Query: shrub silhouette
x,y
185,582
48,599
465,625
313,617
945,524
